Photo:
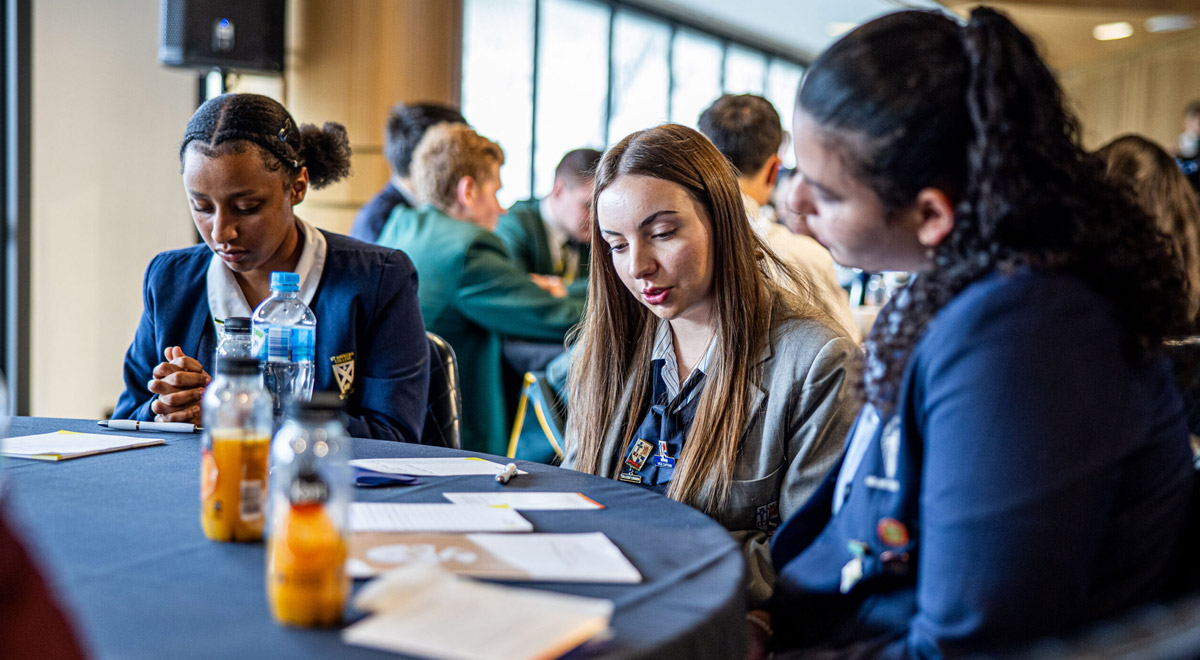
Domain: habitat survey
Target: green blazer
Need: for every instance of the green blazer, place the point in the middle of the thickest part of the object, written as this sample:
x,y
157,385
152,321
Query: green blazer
x,y
471,295
524,234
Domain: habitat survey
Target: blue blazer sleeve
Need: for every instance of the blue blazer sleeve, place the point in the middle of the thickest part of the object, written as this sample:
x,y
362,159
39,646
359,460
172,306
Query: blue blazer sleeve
x,y
1034,425
140,359
394,358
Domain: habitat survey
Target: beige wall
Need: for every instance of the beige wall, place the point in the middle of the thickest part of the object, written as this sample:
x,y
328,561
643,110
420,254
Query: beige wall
x,y
106,123
1144,91
349,62
107,119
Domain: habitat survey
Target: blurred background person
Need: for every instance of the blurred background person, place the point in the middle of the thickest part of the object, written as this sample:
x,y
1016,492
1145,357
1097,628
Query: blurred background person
x,y
745,128
471,293
405,126
1165,194
549,237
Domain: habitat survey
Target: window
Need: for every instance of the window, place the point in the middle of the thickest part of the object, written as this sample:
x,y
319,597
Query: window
x,y
641,79
745,71
571,105
783,79
498,85
696,58
543,77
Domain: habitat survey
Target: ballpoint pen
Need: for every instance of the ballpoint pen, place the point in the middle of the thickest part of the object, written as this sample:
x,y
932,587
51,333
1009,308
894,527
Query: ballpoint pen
x,y
137,425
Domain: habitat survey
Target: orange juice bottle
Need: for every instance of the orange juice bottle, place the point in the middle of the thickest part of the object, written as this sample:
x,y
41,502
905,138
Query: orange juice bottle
x,y
307,582
235,452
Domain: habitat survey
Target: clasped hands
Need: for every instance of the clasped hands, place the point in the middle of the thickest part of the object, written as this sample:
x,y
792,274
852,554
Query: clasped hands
x,y
179,383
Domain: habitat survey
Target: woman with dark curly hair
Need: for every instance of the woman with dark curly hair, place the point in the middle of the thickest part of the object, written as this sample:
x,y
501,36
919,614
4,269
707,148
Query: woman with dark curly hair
x,y
1021,466
246,164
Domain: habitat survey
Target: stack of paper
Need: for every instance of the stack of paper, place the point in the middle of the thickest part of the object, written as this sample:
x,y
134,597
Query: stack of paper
x,y
424,610
64,444
589,557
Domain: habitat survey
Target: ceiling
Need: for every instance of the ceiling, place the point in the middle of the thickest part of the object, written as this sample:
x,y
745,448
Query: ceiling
x,y
799,26
1063,28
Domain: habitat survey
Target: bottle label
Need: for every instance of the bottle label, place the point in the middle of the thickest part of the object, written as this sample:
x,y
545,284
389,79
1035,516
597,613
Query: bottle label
x,y
278,343
307,488
252,500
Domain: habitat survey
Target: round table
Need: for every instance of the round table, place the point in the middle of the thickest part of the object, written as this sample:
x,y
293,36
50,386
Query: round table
x,y
119,535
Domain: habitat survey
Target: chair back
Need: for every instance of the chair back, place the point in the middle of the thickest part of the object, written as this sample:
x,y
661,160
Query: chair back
x,y
444,410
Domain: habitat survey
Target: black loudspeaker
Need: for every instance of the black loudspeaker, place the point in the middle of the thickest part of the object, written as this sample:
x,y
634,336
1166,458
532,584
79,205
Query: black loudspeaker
x,y
238,35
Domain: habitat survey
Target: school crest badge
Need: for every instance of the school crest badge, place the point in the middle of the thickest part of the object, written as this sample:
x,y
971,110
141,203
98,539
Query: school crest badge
x,y
343,372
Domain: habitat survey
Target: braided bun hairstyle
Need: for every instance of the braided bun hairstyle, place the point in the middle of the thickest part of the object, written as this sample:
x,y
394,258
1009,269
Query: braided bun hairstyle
x,y
227,123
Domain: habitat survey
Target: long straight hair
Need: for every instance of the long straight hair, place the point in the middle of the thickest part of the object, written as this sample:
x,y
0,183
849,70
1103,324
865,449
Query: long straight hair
x,y
615,341
1164,192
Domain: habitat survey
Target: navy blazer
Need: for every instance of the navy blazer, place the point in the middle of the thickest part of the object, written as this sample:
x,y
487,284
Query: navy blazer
x,y
375,213
1034,478
366,308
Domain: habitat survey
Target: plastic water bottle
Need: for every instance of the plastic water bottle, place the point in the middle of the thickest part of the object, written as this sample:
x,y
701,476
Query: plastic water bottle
x,y
307,582
234,452
284,340
235,339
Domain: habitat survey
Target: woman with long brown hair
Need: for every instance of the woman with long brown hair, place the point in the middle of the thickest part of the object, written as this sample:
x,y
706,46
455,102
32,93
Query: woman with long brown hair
x,y
1163,192
694,374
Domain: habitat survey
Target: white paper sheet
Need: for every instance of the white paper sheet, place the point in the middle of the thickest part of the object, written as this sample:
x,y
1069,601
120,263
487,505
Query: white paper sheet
x,y
527,500
422,610
589,557
393,517
431,467
61,446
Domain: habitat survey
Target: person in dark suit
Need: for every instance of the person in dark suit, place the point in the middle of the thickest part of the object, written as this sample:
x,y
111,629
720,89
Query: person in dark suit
x,y
405,126
471,293
1021,466
246,164
549,237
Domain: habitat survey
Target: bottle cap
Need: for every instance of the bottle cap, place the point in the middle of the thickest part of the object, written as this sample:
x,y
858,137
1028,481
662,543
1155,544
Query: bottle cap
x,y
284,281
237,366
238,325
321,407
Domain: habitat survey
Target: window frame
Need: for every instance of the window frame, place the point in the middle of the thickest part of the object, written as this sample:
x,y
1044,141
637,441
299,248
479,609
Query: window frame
x,y
771,53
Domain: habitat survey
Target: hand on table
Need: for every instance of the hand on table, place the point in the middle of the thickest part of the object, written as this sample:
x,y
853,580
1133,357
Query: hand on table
x,y
550,284
179,383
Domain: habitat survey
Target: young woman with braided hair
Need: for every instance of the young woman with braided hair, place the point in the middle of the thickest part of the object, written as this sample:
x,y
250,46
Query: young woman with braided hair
x,y
1021,466
246,164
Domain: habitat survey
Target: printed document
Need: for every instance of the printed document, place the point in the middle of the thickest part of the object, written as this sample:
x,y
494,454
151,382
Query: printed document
x,y
64,444
394,517
431,467
527,500
421,610
587,557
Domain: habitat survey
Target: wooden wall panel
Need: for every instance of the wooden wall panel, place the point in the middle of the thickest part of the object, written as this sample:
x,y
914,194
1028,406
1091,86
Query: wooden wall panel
x,y
1140,92
350,62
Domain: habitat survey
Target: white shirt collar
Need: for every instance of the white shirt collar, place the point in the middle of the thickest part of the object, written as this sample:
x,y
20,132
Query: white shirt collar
x,y
664,349
225,298
555,235
758,222
408,195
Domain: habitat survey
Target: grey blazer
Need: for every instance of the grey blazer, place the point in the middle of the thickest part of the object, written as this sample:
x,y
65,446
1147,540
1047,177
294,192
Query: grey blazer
x,y
800,412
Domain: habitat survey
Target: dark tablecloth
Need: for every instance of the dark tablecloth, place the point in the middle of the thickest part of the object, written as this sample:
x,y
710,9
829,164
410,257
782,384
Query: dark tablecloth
x,y
119,534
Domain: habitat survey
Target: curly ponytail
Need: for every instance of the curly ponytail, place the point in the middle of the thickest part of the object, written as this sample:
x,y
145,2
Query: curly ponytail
x,y
912,100
326,153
